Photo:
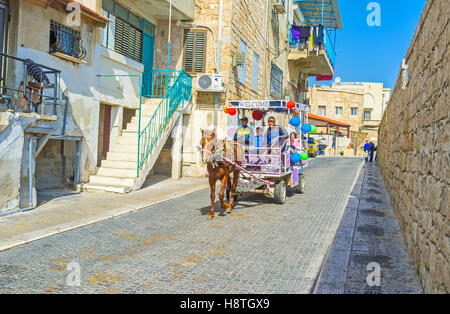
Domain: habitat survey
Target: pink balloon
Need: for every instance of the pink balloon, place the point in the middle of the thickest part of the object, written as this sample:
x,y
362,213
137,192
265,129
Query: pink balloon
x,y
231,132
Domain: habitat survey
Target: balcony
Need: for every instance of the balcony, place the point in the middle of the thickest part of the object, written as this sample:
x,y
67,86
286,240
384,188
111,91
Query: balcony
x,y
159,9
312,55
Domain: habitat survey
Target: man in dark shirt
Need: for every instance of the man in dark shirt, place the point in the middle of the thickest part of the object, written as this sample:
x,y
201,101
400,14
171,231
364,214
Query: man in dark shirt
x,y
275,135
371,150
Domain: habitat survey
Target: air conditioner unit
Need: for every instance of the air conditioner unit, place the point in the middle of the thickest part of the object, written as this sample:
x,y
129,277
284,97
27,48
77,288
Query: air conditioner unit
x,y
279,6
210,83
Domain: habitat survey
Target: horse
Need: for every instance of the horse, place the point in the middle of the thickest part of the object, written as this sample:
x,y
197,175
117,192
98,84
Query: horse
x,y
213,151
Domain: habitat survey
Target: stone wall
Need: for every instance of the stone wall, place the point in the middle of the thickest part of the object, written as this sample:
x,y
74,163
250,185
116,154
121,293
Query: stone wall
x,y
414,148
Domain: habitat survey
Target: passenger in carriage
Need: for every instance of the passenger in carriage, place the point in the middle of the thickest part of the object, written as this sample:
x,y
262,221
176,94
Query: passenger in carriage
x,y
275,135
244,135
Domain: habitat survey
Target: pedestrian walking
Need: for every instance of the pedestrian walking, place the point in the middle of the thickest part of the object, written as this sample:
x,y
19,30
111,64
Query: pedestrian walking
x,y
366,150
371,150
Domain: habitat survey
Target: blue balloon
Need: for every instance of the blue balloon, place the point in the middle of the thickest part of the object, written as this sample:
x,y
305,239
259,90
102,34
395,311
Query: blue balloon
x,y
295,157
306,128
295,121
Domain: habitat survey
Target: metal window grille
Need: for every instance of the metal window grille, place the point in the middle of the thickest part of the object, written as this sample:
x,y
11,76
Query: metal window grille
x,y
66,40
276,81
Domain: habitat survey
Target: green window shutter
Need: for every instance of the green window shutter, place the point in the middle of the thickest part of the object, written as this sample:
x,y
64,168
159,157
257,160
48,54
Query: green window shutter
x,y
128,40
200,43
189,52
194,51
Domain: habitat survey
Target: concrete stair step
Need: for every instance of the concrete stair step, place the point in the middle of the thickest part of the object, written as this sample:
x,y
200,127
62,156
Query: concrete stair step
x,y
108,180
117,172
117,164
122,156
107,188
125,148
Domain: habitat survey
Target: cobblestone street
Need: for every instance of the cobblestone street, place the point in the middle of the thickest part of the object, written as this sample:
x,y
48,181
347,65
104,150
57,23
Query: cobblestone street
x,y
172,248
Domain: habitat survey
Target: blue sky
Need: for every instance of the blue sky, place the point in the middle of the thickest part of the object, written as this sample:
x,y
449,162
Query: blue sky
x,y
374,54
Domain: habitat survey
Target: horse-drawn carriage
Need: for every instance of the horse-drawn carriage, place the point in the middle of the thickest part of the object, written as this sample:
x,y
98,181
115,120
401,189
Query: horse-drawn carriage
x,y
267,165
272,166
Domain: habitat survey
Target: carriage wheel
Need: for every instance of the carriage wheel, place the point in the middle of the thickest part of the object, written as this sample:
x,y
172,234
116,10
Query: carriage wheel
x,y
280,192
300,188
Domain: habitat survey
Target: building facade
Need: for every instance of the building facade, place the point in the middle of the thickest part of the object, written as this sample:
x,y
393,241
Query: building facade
x,y
360,105
98,94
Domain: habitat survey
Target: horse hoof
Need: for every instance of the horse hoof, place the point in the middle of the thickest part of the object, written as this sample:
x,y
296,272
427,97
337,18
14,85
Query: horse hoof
x,y
210,217
225,205
229,209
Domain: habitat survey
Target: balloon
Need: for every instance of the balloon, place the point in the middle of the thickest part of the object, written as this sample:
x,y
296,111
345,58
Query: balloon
x,y
231,111
295,157
290,104
297,112
306,128
225,109
313,129
231,132
257,115
295,121
304,156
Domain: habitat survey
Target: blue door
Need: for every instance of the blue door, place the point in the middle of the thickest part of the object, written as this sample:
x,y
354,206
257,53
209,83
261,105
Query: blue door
x,y
147,57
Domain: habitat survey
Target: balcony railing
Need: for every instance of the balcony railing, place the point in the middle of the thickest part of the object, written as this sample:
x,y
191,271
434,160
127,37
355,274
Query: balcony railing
x,y
38,87
300,38
157,82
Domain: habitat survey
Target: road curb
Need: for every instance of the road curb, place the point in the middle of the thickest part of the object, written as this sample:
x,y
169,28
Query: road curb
x,y
67,226
333,274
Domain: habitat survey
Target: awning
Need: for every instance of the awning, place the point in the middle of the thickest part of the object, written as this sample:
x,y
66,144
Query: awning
x,y
324,122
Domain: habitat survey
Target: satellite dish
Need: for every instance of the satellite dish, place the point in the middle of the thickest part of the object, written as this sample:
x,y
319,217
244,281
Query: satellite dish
x,y
337,80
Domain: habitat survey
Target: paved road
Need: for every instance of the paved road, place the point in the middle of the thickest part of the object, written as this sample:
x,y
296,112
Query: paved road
x,y
172,248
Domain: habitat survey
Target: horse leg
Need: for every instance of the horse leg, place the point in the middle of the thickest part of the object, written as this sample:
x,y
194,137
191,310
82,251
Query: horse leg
x,y
212,186
233,187
223,184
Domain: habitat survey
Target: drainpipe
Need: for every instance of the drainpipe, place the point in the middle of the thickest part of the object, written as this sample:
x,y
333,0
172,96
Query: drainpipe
x,y
265,50
219,46
168,43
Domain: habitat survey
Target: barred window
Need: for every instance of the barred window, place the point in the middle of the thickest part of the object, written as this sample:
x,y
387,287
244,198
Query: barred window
x,y
276,81
66,40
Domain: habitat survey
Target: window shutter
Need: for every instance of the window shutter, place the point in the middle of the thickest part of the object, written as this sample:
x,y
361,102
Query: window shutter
x,y
242,70
128,40
189,52
194,51
255,72
199,51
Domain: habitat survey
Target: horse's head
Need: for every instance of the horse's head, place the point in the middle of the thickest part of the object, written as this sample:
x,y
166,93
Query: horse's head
x,y
208,147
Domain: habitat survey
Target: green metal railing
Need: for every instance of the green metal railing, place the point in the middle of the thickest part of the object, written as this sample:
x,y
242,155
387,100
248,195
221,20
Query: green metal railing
x,y
176,93
157,82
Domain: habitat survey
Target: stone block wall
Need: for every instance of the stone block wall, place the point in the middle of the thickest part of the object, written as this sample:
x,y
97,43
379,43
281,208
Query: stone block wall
x,y
414,148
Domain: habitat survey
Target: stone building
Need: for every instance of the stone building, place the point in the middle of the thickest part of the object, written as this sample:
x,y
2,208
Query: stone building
x,y
359,104
414,148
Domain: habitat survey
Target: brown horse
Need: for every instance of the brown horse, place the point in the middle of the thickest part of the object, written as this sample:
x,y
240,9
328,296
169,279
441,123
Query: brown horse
x,y
213,151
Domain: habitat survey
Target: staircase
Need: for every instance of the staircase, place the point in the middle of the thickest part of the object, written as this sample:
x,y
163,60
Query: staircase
x,y
127,165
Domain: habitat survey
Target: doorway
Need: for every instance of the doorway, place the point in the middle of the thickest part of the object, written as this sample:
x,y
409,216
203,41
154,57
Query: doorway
x,y
104,132
147,56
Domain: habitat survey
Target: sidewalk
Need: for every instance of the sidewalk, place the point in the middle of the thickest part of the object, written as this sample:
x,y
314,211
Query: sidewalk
x,y
368,232
67,211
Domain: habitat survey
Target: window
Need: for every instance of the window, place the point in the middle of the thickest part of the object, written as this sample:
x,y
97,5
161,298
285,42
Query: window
x,y
124,33
255,72
194,51
339,111
242,71
367,114
66,40
322,111
354,111
276,81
